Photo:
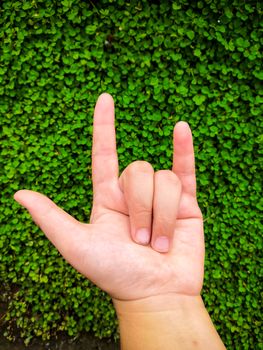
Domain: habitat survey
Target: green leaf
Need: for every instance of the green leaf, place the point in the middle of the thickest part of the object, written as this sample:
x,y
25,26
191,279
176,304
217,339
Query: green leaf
x,y
190,34
182,90
199,99
176,6
197,52
228,13
27,5
91,29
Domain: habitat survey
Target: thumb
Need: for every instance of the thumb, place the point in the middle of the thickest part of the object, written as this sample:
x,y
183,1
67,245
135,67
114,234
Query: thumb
x,y
59,227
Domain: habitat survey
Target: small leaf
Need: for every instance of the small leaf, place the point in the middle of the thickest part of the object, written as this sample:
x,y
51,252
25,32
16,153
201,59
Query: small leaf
x,y
176,6
228,13
199,99
190,34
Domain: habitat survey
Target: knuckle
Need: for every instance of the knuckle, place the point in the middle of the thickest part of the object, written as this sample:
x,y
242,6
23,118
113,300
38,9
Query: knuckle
x,y
140,166
141,202
142,209
163,221
168,175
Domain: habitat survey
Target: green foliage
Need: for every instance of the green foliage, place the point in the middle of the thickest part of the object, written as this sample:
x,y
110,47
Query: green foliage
x,y
162,62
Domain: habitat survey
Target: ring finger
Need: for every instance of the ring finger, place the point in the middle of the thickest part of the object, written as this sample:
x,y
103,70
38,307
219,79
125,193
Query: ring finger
x,y
167,193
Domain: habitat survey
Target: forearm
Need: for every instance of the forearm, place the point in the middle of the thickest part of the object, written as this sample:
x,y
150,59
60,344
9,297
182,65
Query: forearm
x,y
171,322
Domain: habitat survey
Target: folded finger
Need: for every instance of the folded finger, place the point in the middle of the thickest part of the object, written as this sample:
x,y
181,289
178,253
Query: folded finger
x,y
136,182
167,192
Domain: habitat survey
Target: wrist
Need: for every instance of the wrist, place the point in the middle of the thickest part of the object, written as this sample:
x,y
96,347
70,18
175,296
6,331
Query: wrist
x,y
159,303
170,321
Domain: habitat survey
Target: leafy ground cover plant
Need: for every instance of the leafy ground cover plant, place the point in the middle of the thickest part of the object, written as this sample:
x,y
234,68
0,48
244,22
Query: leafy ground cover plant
x,y
162,62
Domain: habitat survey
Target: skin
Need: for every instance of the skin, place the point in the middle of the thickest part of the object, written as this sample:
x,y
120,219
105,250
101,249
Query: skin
x,y
139,274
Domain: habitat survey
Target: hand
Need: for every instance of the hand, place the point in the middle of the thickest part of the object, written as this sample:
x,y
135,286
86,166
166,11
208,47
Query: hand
x,y
107,250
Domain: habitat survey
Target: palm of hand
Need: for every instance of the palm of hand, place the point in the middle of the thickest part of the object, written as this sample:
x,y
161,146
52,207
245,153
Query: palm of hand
x,y
127,270
104,250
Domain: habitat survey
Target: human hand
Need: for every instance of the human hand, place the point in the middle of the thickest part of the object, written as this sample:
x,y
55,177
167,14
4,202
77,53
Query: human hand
x,y
105,250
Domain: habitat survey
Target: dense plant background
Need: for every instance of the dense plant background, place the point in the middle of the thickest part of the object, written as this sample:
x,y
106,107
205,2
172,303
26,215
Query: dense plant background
x,y
198,61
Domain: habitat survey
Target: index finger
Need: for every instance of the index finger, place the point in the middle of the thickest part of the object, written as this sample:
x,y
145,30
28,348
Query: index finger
x,y
105,167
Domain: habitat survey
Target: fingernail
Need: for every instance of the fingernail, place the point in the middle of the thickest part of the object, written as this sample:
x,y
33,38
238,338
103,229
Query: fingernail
x,y
143,236
162,244
186,125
